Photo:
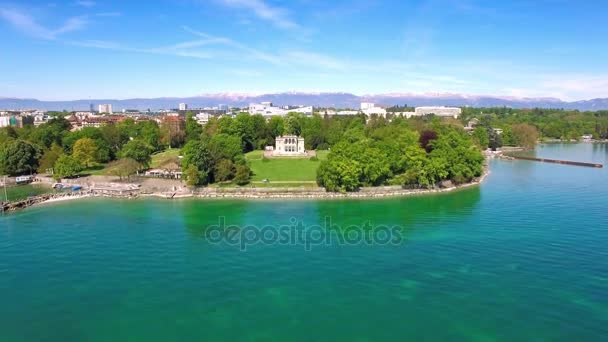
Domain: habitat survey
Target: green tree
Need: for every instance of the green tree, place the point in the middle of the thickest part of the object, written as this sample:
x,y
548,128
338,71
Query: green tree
x,y
149,131
51,132
139,151
196,153
480,137
276,127
224,146
124,167
193,176
525,135
49,158
338,173
18,157
85,152
224,170
243,174
66,166
294,123
243,127
7,134
193,129
114,137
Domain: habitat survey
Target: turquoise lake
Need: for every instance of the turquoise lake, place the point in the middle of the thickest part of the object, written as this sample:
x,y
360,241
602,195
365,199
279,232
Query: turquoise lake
x,y
523,257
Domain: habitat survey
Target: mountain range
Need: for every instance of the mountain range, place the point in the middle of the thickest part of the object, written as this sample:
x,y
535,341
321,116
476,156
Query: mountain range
x,y
337,100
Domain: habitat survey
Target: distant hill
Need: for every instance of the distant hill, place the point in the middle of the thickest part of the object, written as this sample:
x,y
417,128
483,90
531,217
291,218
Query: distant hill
x,y
338,100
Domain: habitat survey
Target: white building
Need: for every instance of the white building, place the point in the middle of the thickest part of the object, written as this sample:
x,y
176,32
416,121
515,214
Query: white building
x,y
367,105
5,121
348,112
439,111
202,118
267,109
289,145
183,106
105,108
40,119
374,110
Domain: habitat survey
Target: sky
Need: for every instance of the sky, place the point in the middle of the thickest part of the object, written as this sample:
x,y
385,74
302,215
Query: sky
x,y
66,50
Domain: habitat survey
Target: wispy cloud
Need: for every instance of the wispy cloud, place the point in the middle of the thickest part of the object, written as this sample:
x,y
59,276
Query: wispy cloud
x,y
85,3
26,23
278,16
315,59
246,73
257,54
171,51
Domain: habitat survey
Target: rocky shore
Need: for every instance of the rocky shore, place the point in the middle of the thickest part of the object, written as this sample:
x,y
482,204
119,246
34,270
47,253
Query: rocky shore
x,y
128,191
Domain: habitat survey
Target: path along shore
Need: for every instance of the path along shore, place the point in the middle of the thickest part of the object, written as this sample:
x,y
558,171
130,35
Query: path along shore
x,y
241,193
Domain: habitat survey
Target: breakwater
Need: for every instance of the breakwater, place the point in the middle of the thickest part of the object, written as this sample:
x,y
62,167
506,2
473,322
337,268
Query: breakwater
x,y
557,161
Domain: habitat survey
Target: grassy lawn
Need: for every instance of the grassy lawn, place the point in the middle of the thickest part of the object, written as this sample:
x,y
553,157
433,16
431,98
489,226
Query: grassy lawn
x,y
21,192
99,169
283,169
160,158
265,185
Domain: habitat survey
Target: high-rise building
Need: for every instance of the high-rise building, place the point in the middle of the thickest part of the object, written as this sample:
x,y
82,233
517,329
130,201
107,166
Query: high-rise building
x,y
91,107
105,108
183,106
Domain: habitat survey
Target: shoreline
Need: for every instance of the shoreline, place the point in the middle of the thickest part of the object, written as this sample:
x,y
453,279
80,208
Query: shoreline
x,y
254,194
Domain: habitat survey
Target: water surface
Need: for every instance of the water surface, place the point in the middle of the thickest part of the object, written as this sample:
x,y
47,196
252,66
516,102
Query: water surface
x,y
522,257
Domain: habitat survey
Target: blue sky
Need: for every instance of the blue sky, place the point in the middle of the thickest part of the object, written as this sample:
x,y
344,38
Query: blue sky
x,y
124,49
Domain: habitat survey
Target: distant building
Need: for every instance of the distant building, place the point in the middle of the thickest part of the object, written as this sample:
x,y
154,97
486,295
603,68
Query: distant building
x,y
267,109
202,118
183,106
5,121
587,137
289,145
374,111
348,112
175,123
367,105
439,111
105,108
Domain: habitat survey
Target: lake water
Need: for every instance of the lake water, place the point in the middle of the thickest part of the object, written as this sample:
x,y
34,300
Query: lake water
x,y
522,257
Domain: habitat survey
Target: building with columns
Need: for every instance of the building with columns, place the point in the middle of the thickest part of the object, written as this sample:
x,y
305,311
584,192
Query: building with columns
x,y
289,145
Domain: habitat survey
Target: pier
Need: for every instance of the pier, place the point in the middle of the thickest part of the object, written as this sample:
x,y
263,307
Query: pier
x,y
556,161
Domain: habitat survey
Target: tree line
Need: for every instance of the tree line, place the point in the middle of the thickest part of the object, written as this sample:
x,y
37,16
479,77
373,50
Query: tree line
x,y
518,124
416,152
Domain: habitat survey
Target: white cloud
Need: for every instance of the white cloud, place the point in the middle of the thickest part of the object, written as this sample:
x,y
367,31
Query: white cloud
x,y
26,23
257,54
105,45
314,59
276,15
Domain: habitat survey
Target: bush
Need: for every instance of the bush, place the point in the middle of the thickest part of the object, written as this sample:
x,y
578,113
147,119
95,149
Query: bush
x,y
314,159
243,175
224,170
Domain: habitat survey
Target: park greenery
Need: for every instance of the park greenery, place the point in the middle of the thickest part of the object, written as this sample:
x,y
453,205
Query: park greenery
x,y
415,152
521,126
420,152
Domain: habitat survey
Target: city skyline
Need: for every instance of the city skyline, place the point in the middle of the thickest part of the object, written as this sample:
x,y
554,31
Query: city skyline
x,y
72,50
